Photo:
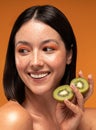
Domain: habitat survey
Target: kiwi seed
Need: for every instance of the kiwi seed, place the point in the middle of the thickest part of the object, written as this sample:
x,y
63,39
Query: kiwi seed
x,y
63,92
81,84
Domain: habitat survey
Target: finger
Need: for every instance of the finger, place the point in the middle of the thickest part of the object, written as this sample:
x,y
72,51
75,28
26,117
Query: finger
x,y
60,105
79,96
75,109
91,82
91,89
80,74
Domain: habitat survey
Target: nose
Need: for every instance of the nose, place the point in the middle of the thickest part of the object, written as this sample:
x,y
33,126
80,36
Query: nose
x,y
36,61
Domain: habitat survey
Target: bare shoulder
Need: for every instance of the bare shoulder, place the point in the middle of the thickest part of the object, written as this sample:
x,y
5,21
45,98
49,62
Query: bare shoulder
x,y
89,119
14,116
90,113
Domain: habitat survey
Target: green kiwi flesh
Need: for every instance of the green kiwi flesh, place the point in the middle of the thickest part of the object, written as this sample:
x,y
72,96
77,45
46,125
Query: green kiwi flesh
x,y
81,84
63,92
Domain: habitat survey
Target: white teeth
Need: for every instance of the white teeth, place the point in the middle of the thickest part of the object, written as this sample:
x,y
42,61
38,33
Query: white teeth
x,y
37,76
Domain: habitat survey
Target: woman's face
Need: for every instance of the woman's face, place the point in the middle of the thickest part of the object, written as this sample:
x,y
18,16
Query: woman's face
x,y
40,56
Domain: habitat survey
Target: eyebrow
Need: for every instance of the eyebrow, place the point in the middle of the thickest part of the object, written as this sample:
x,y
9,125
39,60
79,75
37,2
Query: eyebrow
x,y
49,40
22,42
43,42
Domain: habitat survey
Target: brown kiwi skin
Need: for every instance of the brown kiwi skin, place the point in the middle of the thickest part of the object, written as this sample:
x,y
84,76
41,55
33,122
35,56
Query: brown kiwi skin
x,y
81,79
83,93
61,88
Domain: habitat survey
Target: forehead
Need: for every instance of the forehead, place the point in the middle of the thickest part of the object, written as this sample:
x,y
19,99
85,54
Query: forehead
x,y
34,29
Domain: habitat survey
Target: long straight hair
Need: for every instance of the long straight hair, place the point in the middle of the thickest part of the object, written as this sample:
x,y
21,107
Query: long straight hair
x,y
50,15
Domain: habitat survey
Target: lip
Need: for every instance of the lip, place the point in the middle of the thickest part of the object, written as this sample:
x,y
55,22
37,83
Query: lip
x,y
39,75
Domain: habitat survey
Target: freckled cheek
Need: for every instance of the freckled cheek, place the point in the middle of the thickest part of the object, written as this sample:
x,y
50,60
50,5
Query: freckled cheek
x,y
20,63
57,61
58,65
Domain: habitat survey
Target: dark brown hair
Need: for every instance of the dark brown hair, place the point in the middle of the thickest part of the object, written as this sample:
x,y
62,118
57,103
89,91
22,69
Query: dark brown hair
x,y
50,15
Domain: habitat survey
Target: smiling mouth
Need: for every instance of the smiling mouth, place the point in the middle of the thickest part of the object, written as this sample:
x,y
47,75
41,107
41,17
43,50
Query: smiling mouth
x,y
39,76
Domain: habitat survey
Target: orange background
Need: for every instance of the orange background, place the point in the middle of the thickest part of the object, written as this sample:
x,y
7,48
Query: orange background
x,y
82,15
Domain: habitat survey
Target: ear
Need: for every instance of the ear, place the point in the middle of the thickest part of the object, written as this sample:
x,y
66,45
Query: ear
x,y
69,57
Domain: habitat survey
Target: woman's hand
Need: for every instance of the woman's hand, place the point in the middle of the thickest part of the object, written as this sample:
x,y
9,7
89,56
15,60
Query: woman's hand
x,y
91,85
69,114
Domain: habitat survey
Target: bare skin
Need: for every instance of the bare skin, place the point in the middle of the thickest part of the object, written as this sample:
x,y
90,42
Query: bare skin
x,y
61,119
29,117
39,65
26,121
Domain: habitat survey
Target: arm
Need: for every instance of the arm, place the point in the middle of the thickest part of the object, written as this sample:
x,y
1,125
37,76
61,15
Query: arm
x,y
13,117
10,123
69,115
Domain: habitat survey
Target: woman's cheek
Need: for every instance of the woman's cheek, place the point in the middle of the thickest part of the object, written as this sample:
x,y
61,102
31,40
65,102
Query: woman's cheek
x,y
20,63
56,60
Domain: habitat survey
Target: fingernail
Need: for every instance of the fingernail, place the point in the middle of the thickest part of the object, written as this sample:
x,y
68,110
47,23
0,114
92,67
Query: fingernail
x,y
80,72
90,76
66,100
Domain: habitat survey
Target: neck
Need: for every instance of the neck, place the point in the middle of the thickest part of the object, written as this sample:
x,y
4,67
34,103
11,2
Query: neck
x,y
41,105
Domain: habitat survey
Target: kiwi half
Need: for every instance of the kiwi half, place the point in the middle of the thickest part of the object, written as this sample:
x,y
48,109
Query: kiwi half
x,y
63,92
81,84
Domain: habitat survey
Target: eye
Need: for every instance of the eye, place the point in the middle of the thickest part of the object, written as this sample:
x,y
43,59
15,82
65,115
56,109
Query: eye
x,y
23,50
48,49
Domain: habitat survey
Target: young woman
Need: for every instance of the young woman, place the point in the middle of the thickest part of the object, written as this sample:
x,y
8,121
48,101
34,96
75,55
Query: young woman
x,y
41,56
